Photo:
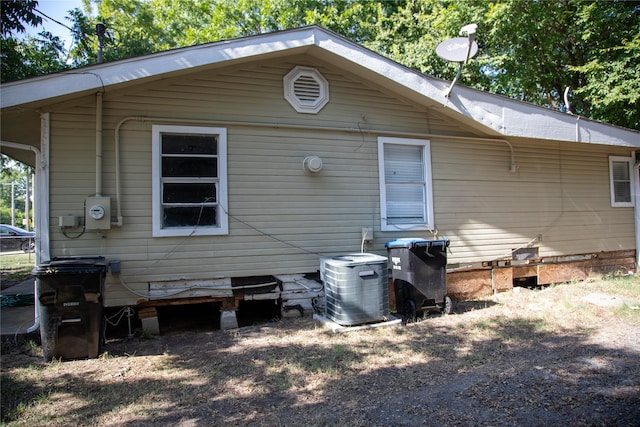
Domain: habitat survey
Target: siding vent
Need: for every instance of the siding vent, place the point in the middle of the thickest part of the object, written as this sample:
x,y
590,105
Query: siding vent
x,y
306,90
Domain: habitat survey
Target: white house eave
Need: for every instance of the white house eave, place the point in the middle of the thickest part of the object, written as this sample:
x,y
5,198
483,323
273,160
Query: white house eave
x,y
515,118
503,115
497,114
100,76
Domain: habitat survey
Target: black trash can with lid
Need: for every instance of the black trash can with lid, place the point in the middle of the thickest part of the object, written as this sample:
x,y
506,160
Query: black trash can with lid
x,y
70,291
419,274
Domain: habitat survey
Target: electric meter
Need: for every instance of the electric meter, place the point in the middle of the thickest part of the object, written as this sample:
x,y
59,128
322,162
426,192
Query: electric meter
x,y
97,213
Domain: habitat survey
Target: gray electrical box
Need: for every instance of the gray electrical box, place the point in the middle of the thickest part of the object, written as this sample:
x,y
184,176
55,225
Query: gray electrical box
x,y
97,213
68,221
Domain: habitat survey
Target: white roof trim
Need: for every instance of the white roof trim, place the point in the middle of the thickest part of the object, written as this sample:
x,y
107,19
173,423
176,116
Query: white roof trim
x,y
127,70
500,114
514,118
504,115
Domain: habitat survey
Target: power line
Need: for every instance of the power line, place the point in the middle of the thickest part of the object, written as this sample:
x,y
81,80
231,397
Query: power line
x,y
57,22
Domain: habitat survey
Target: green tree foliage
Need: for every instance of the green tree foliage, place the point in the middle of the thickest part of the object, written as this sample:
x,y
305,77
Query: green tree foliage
x,y
15,14
134,27
31,56
137,27
530,50
13,175
536,49
612,70
410,35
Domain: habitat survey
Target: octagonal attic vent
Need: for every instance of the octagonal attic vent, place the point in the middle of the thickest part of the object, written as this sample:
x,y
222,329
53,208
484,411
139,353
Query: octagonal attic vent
x,y
306,90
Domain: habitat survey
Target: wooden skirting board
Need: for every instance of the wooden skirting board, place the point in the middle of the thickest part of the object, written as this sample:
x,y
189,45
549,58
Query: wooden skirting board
x,y
462,284
294,290
500,276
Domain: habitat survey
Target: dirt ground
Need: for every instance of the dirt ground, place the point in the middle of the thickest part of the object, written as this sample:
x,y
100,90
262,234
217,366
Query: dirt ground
x,y
565,355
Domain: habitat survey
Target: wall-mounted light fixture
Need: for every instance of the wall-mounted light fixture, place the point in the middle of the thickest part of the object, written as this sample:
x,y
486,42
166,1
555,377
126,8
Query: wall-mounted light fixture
x,y
312,165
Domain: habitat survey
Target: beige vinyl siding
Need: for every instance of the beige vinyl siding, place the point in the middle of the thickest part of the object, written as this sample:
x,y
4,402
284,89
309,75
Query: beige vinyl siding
x,y
282,220
559,193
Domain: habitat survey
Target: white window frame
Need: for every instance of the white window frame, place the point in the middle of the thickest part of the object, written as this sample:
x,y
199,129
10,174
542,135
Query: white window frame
x,y
386,225
629,162
222,228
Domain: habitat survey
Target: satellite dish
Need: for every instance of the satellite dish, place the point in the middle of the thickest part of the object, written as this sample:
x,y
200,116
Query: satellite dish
x,y
457,49
460,50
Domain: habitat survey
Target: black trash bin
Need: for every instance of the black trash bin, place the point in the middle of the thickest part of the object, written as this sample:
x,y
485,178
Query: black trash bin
x,y
419,274
70,308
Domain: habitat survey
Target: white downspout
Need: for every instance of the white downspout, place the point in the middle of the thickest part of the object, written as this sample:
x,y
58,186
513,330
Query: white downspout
x,y
40,201
41,221
99,144
636,209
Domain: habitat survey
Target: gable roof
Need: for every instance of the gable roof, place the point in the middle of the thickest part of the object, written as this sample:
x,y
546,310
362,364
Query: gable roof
x,y
494,114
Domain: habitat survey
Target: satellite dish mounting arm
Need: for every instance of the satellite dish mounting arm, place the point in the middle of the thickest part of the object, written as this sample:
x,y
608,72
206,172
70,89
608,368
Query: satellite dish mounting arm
x,y
470,31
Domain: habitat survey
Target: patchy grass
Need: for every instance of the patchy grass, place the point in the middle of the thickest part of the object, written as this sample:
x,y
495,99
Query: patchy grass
x,y
629,313
16,266
563,355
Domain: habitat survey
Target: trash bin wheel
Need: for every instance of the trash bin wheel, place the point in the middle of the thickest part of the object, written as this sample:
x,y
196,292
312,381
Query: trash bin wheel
x,y
409,309
448,305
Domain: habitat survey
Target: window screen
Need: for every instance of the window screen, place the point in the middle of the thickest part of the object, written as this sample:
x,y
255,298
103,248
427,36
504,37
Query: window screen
x,y
621,183
405,185
404,176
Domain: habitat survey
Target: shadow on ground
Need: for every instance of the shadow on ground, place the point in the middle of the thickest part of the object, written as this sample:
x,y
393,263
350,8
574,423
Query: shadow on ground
x,y
499,372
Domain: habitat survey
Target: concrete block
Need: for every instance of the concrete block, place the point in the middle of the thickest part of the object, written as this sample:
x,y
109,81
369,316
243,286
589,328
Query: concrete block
x,y
296,307
228,320
151,325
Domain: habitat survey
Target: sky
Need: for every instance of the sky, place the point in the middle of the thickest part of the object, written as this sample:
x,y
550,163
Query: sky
x,y
56,9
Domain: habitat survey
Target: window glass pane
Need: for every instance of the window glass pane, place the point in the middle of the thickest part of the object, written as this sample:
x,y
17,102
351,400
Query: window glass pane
x,y
188,216
405,189
621,181
405,179
189,144
190,167
403,153
403,172
621,171
622,192
405,204
188,193
403,163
